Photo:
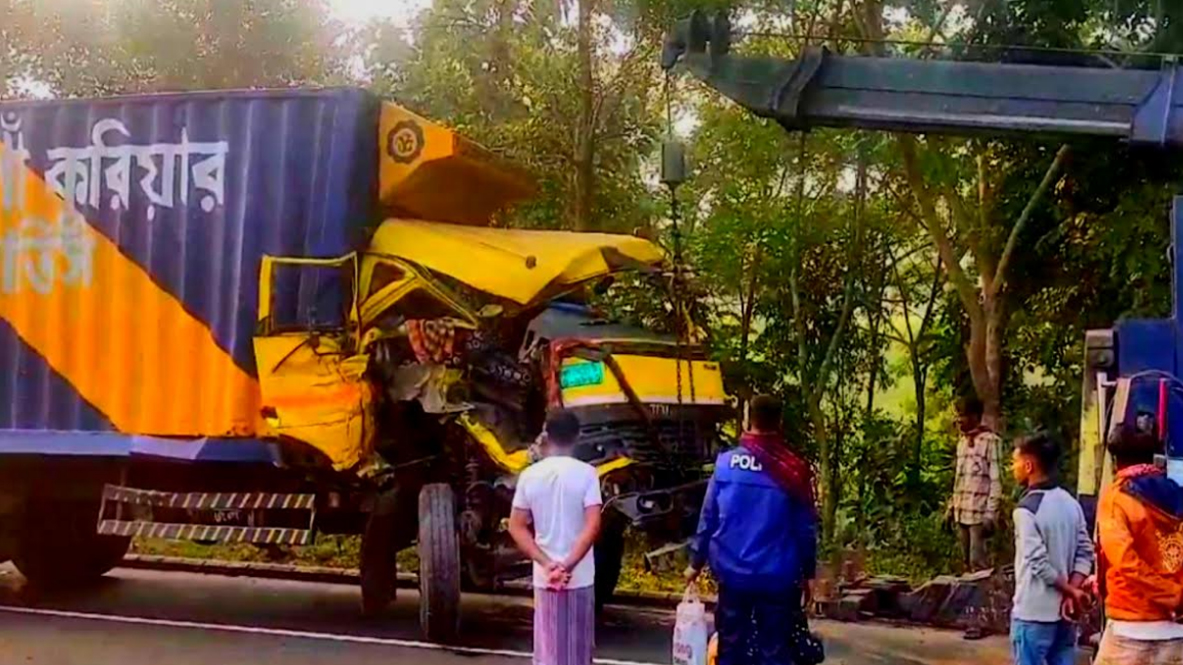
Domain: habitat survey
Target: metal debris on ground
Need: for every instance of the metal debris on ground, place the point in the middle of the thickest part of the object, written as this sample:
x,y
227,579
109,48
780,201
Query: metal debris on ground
x,y
981,600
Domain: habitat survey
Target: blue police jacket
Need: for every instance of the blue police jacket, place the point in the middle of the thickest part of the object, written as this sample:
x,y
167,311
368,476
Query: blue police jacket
x,y
754,534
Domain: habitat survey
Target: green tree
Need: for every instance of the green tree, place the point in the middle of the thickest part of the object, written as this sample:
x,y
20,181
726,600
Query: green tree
x,y
776,228
515,76
84,48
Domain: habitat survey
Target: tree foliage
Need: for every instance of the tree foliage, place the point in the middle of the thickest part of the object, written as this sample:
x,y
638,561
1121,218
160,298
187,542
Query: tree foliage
x,y
503,72
85,48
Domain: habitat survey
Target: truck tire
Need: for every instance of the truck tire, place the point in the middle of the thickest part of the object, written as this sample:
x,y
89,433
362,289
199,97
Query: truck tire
x,y
439,564
609,555
58,546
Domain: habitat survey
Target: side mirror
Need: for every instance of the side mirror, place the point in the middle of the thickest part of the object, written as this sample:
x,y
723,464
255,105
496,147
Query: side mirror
x,y
490,311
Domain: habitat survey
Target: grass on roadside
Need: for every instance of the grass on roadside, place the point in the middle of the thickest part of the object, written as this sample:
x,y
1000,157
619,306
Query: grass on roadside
x,y
345,552
327,551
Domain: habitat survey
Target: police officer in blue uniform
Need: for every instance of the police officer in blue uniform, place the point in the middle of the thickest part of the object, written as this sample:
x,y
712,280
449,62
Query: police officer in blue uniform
x,y
758,532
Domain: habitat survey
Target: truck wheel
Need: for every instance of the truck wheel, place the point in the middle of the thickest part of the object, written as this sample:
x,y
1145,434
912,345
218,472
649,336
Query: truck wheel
x,y
58,546
439,564
609,560
379,565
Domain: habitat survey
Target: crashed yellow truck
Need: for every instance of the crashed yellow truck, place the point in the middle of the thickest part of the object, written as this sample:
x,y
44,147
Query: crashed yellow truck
x,y
296,341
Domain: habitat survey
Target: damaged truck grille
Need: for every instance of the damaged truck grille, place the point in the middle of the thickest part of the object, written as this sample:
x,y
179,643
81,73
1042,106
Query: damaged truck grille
x,y
668,443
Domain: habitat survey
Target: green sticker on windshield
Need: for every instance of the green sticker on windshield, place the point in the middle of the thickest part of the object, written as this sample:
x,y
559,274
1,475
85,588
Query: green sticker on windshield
x,y
581,374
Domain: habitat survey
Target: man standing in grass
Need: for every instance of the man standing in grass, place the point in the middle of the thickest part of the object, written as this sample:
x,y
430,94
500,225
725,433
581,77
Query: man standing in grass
x,y
977,485
555,521
1053,557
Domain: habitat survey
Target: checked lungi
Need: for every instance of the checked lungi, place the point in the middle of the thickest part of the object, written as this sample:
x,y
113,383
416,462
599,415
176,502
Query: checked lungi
x,y
564,626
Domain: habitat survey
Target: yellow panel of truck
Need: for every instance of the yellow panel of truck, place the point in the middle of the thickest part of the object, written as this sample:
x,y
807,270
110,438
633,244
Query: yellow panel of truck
x,y
515,264
429,172
1092,448
317,394
654,379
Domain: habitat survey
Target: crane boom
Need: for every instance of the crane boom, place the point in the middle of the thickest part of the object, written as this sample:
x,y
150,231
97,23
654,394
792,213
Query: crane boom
x,y
821,89
1145,107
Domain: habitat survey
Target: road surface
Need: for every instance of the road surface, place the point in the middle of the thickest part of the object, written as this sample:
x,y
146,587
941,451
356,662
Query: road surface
x,y
137,617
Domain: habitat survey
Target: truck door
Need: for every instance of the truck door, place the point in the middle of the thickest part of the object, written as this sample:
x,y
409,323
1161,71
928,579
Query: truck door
x,y
394,292
311,374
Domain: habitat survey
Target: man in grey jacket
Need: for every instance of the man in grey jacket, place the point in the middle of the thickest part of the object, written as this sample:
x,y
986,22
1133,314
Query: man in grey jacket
x,y
1053,557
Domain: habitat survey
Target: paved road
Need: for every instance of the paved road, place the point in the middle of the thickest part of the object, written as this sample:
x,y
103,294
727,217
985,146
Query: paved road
x,y
147,618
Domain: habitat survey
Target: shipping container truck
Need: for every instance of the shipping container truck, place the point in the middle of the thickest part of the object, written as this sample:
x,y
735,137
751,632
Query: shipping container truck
x,y
258,316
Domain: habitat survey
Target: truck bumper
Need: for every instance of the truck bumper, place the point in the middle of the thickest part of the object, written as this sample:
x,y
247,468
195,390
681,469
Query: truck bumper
x,y
672,511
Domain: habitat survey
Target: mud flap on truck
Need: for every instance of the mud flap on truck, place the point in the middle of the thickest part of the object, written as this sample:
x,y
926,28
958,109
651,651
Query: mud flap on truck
x,y
224,517
9,523
389,528
609,553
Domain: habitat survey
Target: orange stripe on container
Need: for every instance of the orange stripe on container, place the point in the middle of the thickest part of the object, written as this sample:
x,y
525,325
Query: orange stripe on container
x,y
349,394
126,346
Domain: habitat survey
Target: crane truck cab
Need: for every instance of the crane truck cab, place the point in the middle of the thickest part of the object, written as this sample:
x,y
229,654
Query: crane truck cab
x,y
1132,378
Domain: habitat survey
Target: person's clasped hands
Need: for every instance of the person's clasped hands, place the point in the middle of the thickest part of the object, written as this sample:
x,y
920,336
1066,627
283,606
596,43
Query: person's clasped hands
x,y
1078,599
558,576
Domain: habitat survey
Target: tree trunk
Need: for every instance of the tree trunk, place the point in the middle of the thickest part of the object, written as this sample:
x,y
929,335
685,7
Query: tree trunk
x,y
489,88
920,372
747,305
837,446
984,355
868,413
585,143
919,381
860,515
827,479
995,330
829,449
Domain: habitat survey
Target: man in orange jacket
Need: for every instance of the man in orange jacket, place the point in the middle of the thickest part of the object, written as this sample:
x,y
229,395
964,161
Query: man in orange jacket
x,y
1140,526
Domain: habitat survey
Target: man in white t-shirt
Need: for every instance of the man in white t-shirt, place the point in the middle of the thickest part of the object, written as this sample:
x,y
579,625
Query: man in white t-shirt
x,y
555,522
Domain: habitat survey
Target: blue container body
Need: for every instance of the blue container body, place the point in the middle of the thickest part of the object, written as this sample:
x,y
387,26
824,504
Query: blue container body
x,y
132,231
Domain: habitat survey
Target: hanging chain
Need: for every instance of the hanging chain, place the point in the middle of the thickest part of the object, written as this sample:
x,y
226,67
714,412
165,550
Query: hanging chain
x,y
668,93
674,165
676,231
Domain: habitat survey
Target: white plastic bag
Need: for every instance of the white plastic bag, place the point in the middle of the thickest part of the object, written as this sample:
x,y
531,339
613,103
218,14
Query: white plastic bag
x,y
690,630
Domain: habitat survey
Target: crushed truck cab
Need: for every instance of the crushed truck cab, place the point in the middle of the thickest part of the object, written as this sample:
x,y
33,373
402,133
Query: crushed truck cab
x,y
472,334
457,337
259,316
